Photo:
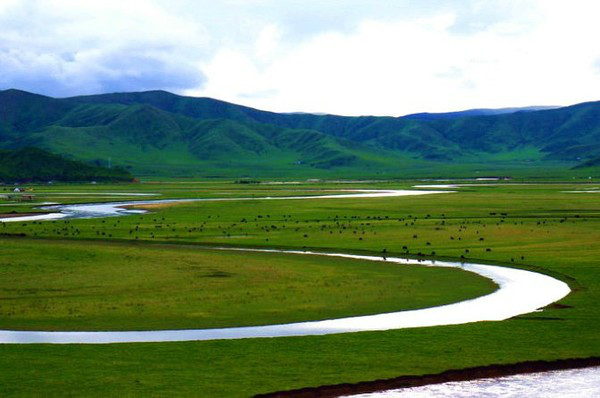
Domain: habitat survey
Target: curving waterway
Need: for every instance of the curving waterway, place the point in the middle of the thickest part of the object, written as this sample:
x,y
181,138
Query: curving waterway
x,y
113,209
519,292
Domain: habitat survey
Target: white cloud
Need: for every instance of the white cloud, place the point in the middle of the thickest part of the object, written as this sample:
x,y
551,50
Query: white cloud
x,y
394,68
267,43
362,57
67,47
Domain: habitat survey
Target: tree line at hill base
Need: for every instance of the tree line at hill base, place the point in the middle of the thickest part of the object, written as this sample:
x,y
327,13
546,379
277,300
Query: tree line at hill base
x,y
36,165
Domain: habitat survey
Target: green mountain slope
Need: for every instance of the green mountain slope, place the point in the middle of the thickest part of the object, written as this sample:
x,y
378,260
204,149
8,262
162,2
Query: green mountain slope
x,y
159,133
32,164
567,127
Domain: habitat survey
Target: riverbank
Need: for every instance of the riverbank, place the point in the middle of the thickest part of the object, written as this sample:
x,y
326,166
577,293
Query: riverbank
x,y
478,372
15,214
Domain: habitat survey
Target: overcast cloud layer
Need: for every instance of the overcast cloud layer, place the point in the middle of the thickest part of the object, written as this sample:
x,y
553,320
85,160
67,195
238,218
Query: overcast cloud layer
x,y
346,56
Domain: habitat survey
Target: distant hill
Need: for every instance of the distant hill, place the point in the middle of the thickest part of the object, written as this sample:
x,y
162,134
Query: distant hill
x,y
595,162
475,112
32,164
163,134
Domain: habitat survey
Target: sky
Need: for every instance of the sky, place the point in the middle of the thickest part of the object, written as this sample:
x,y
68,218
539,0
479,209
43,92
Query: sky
x,y
349,57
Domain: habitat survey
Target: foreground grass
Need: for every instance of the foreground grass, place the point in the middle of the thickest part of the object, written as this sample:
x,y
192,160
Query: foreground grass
x,y
245,367
537,227
70,285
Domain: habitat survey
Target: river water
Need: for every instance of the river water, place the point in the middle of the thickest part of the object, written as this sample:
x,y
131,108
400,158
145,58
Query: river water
x,y
519,292
573,383
114,209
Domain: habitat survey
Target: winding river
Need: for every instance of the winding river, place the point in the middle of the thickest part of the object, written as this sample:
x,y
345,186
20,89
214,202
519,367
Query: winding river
x,y
519,291
112,209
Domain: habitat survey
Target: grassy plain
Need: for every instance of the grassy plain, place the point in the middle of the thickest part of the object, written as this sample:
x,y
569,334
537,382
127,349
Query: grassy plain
x,y
66,285
540,227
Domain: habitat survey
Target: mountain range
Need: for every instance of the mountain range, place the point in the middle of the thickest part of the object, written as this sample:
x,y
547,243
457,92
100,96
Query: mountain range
x,y
157,133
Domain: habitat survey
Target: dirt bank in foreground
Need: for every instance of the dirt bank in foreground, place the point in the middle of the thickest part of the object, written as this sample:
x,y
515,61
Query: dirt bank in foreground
x,y
337,390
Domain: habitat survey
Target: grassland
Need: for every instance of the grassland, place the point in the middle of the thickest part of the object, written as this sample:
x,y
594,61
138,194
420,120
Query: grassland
x,y
65,285
539,227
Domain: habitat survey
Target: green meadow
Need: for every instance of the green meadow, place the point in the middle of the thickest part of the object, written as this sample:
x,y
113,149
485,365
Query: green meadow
x,y
114,286
156,270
